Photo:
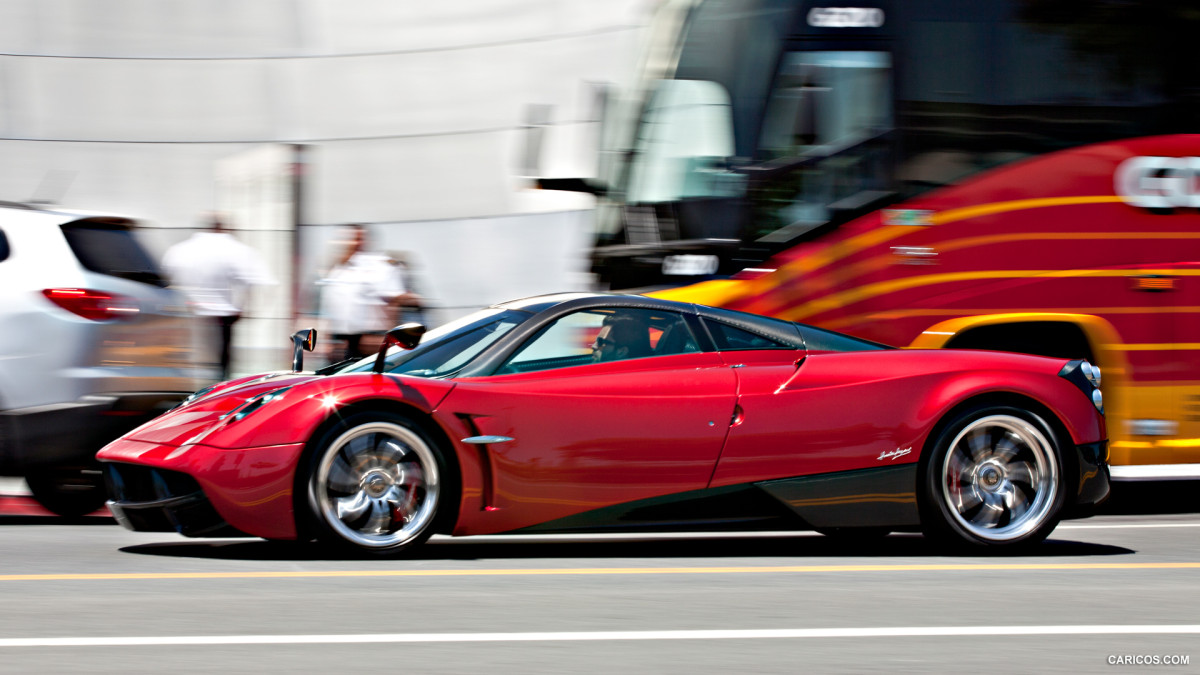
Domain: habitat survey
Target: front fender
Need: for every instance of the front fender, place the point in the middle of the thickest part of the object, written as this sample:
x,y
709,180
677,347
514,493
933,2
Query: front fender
x,y
304,407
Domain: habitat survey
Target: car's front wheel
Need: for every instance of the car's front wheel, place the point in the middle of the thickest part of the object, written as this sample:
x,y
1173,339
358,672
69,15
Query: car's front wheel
x,y
375,483
994,478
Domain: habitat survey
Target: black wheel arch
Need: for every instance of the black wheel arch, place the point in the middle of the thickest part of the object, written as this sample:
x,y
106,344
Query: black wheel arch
x,y
1056,339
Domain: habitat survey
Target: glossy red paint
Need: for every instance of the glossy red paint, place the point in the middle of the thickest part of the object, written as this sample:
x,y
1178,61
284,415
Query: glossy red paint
x,y
247,467
593,436
839,412
250,487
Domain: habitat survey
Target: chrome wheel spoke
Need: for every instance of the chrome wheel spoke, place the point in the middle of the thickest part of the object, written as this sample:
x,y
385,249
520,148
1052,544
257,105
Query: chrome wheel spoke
x,y
980,445
357,452
412,476
376,485
380,520
959,470
391,452
341,477
1023,473
401,503
1006,449
1000,478
1016,502
968,499
990,514
351,509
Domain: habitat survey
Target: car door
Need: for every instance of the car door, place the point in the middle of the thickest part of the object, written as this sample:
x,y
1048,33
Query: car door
x,y
572,434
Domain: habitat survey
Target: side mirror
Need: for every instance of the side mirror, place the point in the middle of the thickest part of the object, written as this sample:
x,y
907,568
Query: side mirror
x,y
302,341
407,335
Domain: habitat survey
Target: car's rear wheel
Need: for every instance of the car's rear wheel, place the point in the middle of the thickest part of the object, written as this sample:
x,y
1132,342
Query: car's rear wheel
x,y
375,483
70,493
994,478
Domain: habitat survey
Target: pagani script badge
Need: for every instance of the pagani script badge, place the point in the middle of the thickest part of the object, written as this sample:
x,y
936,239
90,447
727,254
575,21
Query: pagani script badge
x,y
898,452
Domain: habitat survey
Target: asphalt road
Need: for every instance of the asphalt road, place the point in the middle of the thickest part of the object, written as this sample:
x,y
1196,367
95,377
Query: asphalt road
x,y
92,597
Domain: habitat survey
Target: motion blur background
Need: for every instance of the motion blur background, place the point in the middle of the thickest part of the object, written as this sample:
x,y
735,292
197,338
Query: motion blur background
x,y
424,121
742,144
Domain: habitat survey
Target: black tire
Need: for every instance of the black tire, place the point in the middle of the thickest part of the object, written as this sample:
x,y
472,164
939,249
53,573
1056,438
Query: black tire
x,y
70,493
376,483
994,478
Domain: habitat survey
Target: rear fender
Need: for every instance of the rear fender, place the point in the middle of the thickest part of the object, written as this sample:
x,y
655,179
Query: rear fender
x,y
1073,410
1100,334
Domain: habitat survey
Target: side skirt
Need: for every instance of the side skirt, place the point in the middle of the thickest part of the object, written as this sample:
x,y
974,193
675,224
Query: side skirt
x,y
883,497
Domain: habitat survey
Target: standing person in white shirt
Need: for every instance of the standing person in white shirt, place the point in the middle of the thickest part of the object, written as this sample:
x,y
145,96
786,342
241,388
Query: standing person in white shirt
x,y
360,293
215,271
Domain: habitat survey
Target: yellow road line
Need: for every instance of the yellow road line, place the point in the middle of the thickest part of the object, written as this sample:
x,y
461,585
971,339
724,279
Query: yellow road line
x,y
583,571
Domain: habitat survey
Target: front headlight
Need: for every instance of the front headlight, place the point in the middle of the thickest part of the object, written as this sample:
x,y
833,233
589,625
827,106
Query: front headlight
x,y
1084,375
253,405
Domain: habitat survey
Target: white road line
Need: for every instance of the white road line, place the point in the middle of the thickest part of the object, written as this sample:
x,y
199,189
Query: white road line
x,y
783,633
1126,526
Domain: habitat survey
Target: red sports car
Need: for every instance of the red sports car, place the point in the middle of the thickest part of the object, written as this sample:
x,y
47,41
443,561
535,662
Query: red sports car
x,y
595,411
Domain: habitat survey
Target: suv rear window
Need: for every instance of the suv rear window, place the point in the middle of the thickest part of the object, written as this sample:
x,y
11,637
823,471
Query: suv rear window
x,y
110,248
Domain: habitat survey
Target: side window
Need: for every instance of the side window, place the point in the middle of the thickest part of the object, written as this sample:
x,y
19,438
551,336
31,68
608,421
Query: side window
x,y
729,338
3,246
600,335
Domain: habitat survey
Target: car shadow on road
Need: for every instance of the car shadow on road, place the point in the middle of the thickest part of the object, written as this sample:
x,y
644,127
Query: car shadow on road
x,y
802,545
1152,498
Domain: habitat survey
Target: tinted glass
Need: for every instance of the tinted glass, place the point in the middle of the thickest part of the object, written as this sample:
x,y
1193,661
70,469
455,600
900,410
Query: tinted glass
x,y
778,331
600,335
729,338
3,246
820,340
112,250
447,349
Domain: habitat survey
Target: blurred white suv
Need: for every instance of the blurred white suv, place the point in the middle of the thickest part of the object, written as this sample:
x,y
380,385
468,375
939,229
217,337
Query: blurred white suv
x,y
92,343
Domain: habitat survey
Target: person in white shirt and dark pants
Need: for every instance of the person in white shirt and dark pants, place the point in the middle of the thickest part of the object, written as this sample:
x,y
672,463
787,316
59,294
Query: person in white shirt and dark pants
x,y
215,270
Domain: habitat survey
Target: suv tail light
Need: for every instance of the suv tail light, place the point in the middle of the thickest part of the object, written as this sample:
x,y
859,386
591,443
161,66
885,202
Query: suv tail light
x,y
93,305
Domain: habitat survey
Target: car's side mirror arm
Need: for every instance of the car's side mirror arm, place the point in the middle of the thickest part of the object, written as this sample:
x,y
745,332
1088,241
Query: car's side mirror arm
x,y
302,341
407,335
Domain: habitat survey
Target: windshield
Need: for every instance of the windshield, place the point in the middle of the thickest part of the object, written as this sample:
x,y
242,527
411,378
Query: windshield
x,y
446,349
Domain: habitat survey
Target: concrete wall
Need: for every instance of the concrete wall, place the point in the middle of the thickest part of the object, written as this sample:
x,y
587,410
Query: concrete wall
x,y
414,115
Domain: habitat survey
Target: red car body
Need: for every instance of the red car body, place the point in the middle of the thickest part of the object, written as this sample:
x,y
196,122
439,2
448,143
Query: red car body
x,y
832,438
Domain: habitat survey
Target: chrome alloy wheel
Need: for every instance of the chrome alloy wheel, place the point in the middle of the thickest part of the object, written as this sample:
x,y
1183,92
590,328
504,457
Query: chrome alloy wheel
x,y
376,485
1000,478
